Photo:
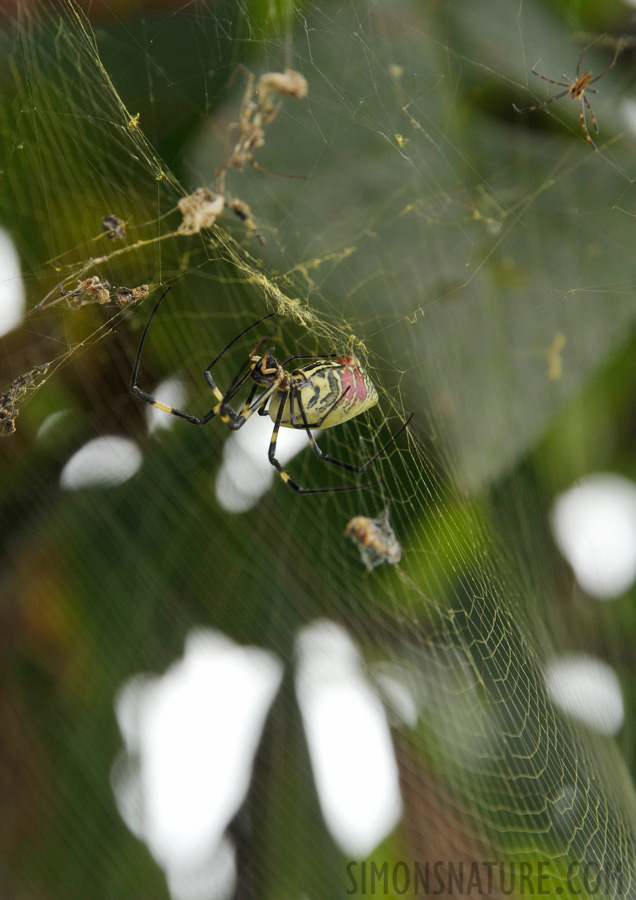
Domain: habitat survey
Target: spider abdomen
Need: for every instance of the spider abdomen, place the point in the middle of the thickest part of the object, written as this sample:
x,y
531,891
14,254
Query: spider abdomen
x,y
331,391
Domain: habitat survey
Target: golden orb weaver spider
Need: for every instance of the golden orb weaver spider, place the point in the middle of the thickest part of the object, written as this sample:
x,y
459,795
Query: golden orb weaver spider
x,y
325,392
576,89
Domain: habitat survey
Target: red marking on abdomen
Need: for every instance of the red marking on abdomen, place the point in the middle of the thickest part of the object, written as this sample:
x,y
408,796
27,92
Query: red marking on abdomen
x,y
352,380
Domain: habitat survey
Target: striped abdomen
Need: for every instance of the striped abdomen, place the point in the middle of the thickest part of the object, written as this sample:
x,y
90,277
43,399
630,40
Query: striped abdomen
x,y
331,391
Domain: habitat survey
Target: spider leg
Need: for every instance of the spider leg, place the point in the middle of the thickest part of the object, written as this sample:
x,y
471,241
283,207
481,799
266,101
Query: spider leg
x,y
611,65
265,171
349,467
581,55
241,378
263,411
360,470
208,369
195,420
238,382
286,477
250,407
147,398
592,116
144,335
322,356
189,417
228,415
541,105
585,103
551,80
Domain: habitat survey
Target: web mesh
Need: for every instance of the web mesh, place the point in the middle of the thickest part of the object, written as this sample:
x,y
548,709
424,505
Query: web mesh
x,y
478,264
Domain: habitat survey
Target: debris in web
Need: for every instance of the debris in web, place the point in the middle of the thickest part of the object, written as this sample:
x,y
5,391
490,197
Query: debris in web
x,y
126,296
95,291
258,110
200,210
9,399
375,540
244,213
114,228
290,83
554,357
90,290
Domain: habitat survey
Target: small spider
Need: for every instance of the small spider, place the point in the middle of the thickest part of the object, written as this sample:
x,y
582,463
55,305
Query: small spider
x,y
577,90
324,392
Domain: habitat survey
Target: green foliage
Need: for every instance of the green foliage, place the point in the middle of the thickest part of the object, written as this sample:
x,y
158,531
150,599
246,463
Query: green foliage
x,y
480,262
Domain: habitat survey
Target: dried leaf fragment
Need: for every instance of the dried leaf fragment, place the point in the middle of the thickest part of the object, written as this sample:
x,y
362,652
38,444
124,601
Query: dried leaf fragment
x,y
200,210
289,82
114,228
10,397
126,296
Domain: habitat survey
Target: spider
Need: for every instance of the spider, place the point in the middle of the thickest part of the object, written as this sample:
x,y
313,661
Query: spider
x,y
322,393
577,90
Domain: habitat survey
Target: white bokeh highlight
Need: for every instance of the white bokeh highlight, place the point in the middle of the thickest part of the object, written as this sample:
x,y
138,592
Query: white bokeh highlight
x,y
215,879
52,423
246,473
171,391
628,108
12,295
588,689
348,738
402,696
594,524
102,462
193,734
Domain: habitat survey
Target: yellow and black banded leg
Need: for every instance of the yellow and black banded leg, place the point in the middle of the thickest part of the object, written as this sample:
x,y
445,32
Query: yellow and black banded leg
x,y
360,470
241,376
287,477
348,467
147,398
195,420
228,414
250,407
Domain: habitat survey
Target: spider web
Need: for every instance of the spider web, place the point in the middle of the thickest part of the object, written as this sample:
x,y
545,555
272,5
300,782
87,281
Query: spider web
x,y
478,263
